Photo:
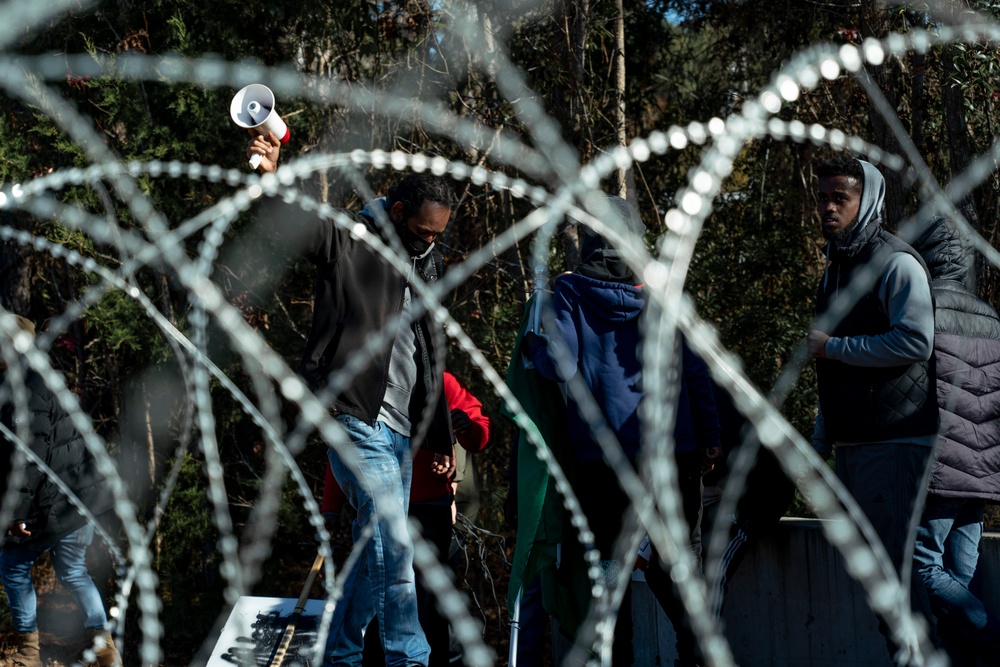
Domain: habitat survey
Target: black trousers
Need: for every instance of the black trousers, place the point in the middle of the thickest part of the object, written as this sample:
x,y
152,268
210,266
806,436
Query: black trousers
x,y
660,584
605,503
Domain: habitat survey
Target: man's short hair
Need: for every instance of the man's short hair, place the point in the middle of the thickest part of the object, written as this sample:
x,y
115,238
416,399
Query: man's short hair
x,y
842,164
417,189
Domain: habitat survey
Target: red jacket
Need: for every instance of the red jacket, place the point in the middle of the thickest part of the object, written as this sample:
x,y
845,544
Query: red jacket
x,y
427,485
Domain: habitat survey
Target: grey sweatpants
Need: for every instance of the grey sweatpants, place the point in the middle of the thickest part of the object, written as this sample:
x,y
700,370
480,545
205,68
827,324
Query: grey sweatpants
x,y
885,479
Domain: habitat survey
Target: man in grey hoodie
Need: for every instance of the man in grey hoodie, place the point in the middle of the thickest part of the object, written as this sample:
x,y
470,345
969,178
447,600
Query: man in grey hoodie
x,y
873,343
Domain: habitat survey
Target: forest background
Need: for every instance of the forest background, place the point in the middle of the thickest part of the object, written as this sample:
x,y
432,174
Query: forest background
x,y
604,71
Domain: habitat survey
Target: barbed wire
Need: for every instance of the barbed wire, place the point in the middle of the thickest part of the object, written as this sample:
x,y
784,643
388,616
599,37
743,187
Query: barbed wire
x,y
654,498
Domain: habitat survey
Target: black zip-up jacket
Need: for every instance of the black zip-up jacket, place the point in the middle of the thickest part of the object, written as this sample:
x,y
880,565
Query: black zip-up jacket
x,y
40,504
357,293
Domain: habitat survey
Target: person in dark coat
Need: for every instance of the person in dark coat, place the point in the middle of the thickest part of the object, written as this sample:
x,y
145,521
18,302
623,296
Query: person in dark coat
x,y
597,311
45,519
393,404
966,474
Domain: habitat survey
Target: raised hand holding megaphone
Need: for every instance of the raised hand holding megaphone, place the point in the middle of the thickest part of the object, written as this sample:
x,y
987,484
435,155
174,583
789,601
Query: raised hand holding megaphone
x,y
253,108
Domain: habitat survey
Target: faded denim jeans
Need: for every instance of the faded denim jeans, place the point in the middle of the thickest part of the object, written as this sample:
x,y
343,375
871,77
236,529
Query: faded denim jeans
x,y
382,583
71,569
946,555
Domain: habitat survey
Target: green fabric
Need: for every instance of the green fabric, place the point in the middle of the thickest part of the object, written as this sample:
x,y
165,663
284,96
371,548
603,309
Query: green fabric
x,y
542,521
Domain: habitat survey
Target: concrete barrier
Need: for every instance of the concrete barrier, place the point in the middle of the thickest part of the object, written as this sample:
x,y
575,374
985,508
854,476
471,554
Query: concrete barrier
x,y
792,604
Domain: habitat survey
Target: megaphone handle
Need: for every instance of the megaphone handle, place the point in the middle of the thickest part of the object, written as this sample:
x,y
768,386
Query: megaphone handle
x,y
255,160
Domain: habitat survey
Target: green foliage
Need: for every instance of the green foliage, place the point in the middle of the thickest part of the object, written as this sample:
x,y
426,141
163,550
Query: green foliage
x,y
186,558
121,324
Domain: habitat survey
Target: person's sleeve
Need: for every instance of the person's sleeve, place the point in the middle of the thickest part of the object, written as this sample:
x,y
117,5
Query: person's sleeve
x,y
26,495
318,240
42,418
541,355
22,501
702,399
333,495
459,396
821,442
906,295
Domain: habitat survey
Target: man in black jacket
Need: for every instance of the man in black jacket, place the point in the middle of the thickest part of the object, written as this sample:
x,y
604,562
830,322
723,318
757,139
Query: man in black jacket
x,y
875,370
45,519
392,404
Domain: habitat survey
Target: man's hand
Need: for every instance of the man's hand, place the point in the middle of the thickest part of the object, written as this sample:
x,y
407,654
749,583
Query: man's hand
x,y
460,421
331,520
529,342
268,147
817,343
19,530
710,457
444,464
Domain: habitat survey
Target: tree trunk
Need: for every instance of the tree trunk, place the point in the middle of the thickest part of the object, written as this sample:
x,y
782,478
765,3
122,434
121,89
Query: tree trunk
x,y
15,276
166,303
918,101
619,186
577,28
571,246
959,150
875,23
147,415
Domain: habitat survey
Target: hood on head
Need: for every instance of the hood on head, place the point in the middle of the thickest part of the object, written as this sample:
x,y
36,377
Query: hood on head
x,y
872,198
625,215
870,210
945,251
610,301
600,259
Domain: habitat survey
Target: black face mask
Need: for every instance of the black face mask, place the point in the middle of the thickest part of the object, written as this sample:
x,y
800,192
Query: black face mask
x,y
415,245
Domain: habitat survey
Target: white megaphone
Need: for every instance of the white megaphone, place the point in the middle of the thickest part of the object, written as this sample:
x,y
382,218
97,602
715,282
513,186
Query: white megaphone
x,y
253,108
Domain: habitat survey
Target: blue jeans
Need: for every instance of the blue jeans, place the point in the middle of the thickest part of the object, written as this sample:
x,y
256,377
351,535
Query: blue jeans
x,y
71,569
382,584
946,554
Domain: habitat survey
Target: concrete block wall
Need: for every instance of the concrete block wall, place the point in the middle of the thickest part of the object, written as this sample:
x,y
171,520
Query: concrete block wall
x,y
792,604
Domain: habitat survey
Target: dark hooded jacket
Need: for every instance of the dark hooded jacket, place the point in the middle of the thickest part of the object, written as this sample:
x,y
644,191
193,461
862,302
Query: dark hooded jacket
x,y
598,322
357,294
39,503
967,351
597,311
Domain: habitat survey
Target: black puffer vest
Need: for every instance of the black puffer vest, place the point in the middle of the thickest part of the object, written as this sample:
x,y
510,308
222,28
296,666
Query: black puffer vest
x,y
967,352
862,404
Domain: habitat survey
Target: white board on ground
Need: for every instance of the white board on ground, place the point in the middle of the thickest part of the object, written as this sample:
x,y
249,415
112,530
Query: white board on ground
x,y
254,629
